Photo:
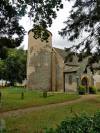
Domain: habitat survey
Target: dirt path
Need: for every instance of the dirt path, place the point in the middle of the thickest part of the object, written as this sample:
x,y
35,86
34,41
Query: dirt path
x,y
30,109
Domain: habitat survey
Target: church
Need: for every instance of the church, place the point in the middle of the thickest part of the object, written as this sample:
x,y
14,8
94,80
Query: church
x,y
48,70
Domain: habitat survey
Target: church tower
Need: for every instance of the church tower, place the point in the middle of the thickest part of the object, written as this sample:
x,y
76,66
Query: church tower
x,y
39,63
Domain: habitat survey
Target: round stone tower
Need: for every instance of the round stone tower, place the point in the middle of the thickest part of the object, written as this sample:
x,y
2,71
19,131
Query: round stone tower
x,y
39,63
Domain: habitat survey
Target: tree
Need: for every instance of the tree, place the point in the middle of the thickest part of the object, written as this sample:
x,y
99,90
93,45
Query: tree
x,y
11,33
43,12
84,17
2,69
15,66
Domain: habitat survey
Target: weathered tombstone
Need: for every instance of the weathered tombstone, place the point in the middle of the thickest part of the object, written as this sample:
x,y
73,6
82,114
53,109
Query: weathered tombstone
x,y
44,93
22,95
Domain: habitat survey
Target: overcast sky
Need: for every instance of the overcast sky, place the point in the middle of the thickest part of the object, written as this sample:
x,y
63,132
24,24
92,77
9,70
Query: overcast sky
x,y
57,40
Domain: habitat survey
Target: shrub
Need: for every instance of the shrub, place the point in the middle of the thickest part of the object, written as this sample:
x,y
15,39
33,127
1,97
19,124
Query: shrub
x,y
98,89
44,93
92,90
79,124
82,90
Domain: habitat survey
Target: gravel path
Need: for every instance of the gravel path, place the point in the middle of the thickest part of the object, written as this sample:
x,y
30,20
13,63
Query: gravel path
x,y
31,109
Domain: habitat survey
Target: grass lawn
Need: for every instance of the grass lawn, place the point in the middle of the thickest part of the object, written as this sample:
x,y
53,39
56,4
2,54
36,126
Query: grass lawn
x,y
36,121
11,98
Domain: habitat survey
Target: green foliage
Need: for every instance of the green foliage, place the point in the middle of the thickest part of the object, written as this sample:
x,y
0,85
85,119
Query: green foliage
x,y
79,124
84,17
42,12
16,65
2,69
11,33
13,68
82,90
92,90
40,32
98,89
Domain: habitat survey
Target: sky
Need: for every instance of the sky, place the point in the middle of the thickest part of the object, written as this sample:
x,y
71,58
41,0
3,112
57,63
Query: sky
x,y
57,40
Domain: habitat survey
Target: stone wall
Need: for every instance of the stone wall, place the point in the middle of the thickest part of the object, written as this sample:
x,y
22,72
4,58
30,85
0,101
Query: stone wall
x,y
59,71
68,85
96,78
54,72
39,63
40,78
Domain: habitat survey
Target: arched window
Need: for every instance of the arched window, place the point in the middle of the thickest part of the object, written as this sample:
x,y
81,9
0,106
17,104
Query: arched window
x,y
70,79
84,82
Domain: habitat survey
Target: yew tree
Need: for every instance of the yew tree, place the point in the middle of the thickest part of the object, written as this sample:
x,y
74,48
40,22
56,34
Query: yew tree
x,y
84,18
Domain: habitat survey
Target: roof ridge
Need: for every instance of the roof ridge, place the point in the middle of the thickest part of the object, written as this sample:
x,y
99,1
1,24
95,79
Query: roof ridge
x,y
59,48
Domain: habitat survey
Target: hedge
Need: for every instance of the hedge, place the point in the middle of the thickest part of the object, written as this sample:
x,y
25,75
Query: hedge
x,y
82,90
92,90
78,124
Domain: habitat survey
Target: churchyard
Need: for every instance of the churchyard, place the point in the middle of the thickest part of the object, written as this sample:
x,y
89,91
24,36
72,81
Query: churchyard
x,y
15,98
43,112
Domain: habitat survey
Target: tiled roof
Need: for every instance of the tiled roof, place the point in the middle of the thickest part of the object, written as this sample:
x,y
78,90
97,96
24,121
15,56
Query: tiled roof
x,y
62,52
71,69
96,65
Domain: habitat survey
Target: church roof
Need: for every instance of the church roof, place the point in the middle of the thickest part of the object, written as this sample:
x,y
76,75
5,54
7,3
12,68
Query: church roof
x,y
62,52
71,69
96,65
73,63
